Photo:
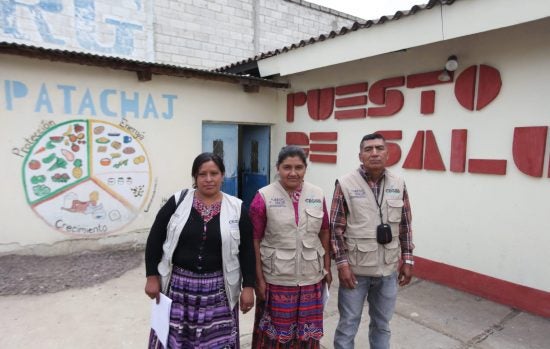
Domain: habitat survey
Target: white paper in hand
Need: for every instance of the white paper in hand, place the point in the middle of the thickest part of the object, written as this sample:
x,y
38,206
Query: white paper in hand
x,y
160,318
326,294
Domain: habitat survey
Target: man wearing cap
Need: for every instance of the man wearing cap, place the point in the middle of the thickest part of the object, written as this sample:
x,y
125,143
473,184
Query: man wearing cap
x,y
371,239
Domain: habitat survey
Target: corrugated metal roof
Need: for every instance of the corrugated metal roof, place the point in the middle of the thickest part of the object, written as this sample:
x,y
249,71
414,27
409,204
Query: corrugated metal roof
x,y
234,67
144,70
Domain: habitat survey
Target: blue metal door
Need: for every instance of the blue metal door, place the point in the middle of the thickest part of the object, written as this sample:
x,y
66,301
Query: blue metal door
x,y
223,140
254,160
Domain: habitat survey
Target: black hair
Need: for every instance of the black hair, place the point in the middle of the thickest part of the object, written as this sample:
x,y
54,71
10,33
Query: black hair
x,y
369,137
201,159
291,151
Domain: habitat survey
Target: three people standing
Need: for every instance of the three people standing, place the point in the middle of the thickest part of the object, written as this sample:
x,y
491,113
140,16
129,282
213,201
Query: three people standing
x,y
198,250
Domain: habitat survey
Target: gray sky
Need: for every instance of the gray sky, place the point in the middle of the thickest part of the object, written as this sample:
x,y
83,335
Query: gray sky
x,y
369,9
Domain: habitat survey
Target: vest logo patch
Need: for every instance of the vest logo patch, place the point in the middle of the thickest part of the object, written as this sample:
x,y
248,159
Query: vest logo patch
x,y
357,193
393,191
313,201
276,202
233,221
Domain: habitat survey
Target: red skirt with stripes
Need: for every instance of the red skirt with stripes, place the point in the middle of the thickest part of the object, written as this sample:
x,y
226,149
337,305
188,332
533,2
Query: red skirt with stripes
x,y
290,317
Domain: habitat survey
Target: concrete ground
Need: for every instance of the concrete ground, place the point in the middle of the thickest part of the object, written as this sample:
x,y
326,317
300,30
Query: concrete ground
x,y
115,314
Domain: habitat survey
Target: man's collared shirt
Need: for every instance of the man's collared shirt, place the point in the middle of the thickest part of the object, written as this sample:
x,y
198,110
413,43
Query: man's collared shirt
x,y
338,222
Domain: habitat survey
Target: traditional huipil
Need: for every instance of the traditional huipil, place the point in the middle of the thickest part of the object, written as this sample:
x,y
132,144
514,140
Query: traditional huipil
x,y
288,225
202,253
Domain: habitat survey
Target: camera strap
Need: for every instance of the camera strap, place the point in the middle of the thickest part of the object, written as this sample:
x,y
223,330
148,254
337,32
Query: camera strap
x,y
379,204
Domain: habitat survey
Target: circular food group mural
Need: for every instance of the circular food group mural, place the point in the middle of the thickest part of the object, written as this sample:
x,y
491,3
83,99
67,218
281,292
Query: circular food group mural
x,y
87,177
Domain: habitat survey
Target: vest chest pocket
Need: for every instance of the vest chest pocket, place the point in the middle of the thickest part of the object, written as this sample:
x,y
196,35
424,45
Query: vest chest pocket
x,y
392,251
395,210
314,220
232,263
364,253
235,241
284,263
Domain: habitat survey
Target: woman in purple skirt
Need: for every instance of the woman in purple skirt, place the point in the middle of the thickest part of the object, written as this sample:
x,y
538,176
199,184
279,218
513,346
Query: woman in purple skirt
x,y
200,254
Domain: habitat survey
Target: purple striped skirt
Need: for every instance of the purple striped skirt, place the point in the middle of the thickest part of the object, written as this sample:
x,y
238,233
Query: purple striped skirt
x,y
200,316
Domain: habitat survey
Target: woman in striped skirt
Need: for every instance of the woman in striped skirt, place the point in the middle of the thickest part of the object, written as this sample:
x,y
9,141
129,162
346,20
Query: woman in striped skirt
x,y
291,241
200,254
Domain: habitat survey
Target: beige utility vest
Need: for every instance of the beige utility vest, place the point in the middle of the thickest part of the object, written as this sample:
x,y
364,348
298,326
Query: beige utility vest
x,y
366,256
292,255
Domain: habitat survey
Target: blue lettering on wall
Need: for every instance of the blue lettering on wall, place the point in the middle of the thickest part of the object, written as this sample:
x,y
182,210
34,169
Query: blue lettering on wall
x,y
104,103
43,100
67,89
86,29
129,105
87,103
14,89
8,10
85,33
150,108
170,110
60,99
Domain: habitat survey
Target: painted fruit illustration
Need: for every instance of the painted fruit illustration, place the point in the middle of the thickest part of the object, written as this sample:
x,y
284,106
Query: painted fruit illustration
x,y
80,179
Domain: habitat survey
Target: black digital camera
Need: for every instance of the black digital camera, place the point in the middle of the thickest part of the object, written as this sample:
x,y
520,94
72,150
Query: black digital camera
x,y
383,234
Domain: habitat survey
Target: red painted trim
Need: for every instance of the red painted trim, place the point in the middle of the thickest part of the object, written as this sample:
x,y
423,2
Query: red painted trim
x,y
427,102
331,148
354,88
459,142
497,290
351,114
351,101
329,159
486,166
323,136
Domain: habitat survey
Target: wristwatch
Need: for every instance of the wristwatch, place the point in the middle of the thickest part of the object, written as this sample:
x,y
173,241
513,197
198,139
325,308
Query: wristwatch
x,y
406,261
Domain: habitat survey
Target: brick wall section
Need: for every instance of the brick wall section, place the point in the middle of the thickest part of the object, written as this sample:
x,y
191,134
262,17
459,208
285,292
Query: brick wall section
x,y
193,33
208,34
287,22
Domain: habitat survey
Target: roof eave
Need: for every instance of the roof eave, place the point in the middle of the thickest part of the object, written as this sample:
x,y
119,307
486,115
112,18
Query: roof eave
x,y
144,70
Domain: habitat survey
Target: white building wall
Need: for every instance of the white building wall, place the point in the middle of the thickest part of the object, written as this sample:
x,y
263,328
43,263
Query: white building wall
x,y
37,96
495,225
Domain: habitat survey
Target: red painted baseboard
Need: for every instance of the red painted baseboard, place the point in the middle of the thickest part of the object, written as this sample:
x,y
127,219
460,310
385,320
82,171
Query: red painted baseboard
x,y
500,291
